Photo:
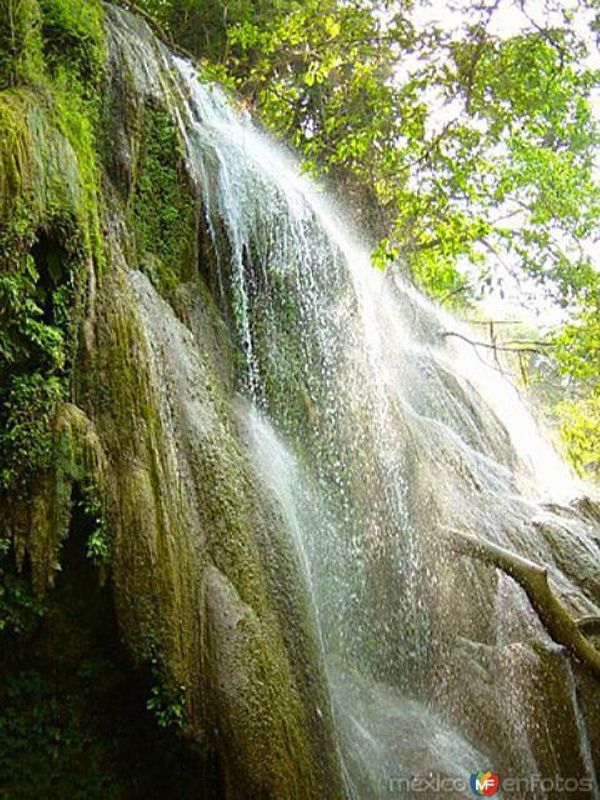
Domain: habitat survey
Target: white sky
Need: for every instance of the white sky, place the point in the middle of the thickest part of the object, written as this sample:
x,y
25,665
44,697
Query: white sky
x,y
507,20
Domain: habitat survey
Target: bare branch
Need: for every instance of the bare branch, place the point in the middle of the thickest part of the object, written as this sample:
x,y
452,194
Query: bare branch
x,y
493,322
492,346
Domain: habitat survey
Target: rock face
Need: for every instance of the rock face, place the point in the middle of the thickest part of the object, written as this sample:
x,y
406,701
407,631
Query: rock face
x,y
212,407
205,586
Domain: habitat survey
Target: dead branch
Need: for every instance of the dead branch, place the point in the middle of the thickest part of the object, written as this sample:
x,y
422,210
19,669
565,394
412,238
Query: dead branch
x,y
533,579
492,346
488,322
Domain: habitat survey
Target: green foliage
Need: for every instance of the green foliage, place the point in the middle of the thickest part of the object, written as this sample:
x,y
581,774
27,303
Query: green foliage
x,y
97,545
578,346
36,346
532,97
72,709
37,289
20,610
577,358
25,336
167,705
580,426
203,26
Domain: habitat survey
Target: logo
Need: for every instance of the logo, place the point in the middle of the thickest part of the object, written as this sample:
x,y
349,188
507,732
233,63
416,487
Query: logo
x,y
485,784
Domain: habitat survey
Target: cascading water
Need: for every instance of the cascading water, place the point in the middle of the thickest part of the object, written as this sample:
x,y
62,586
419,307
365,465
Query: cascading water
x,y
374,430
394,431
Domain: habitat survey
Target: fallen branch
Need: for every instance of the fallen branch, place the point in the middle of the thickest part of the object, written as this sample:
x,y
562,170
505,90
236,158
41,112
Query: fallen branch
x,y
533,579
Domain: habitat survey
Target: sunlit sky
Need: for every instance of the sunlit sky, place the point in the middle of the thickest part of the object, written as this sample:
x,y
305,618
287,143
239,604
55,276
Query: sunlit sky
x,y
508,18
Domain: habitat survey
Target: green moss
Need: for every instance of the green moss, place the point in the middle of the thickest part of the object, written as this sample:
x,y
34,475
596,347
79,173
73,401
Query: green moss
x,y
152,563
17,172
21,57
76,119
164,209
73,39
260,714
49,236
26,436
40,37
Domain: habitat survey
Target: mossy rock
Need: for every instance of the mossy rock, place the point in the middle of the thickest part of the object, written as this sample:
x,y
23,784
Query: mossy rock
x,y
203,588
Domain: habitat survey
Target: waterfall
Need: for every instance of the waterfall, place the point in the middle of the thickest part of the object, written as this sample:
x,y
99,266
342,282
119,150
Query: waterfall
x,y
389,430
374,428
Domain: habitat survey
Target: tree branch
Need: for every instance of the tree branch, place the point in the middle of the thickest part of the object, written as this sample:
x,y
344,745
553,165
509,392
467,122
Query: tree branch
x,y
533,579
160,32
492,346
